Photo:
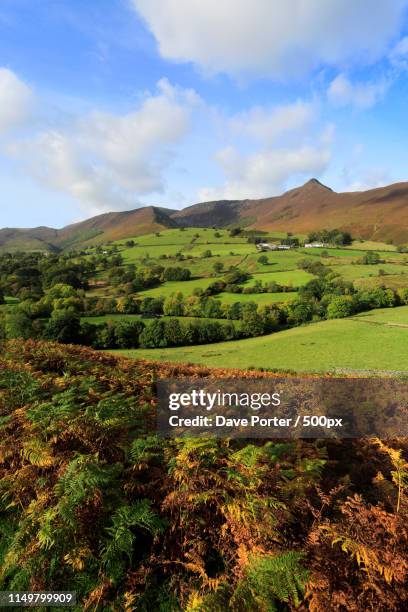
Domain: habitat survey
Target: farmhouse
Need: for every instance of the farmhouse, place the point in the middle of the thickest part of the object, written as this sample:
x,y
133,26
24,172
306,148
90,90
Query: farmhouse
x,y
310,245
267,246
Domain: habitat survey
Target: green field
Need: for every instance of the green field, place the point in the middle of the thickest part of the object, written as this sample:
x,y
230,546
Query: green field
x,y
259,298
369,245
394,281
386,316
335,345
186,236
296,278
185,287
356,271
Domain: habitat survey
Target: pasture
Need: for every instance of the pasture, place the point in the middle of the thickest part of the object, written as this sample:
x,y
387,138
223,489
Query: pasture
x,y
329,346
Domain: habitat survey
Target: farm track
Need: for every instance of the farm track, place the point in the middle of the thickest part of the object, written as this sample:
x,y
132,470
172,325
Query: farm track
x,y
380,323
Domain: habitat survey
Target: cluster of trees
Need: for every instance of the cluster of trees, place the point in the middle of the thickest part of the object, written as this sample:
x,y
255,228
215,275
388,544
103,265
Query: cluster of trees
x,y
29,275
290,240
131,279
370,258
158,333
333,236
330,296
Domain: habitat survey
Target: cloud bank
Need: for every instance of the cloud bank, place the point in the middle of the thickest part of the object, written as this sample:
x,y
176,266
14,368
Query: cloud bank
x,y
107,161
271,37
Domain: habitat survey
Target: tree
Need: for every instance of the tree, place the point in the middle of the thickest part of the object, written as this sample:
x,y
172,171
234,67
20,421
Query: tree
x,y
18,324
176,274
218,267
153,335
174,333
63,326
340,306
127,333
253,324
236,276
235,231
127,305
300,311
151,306
211,308
173,305
371,258
207,253
263,260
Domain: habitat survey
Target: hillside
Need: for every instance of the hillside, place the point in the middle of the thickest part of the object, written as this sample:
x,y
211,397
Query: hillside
x,y
99,229
360,343
94,501
377,214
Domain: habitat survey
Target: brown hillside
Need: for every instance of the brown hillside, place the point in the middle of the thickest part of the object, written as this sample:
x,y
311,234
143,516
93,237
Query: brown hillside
x,y
377,214
115,226
100,229
207,214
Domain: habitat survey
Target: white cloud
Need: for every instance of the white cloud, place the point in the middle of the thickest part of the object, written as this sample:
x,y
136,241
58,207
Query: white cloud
x,y
106,161
399,54
357,176
343,92
282,144
265,173
370,179
271,37
15,101
268,125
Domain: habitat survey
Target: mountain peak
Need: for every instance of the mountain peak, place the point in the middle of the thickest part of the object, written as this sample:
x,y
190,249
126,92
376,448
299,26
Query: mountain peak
x,y
314,182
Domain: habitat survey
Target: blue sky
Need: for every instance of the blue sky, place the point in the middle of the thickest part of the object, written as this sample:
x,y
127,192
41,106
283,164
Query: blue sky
x,y
114,104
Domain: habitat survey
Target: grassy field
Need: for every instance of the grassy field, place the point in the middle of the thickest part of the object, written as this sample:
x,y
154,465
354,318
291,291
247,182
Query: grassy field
x,y
335,345
394,281
296,278
386,316
369,245
356,271
259,298
185,287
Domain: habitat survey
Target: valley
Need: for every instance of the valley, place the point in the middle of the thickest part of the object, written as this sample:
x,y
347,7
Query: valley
x,y
212,296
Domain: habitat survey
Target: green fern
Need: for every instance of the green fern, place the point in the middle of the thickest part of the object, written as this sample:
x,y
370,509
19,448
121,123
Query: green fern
x,y
126,520
145,449
269,580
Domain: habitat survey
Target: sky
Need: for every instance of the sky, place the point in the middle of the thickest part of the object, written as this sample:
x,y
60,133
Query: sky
x,y
109,105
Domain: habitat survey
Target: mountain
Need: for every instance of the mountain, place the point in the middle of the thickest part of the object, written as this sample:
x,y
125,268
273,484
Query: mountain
x,y
377,214
97,230
206,214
